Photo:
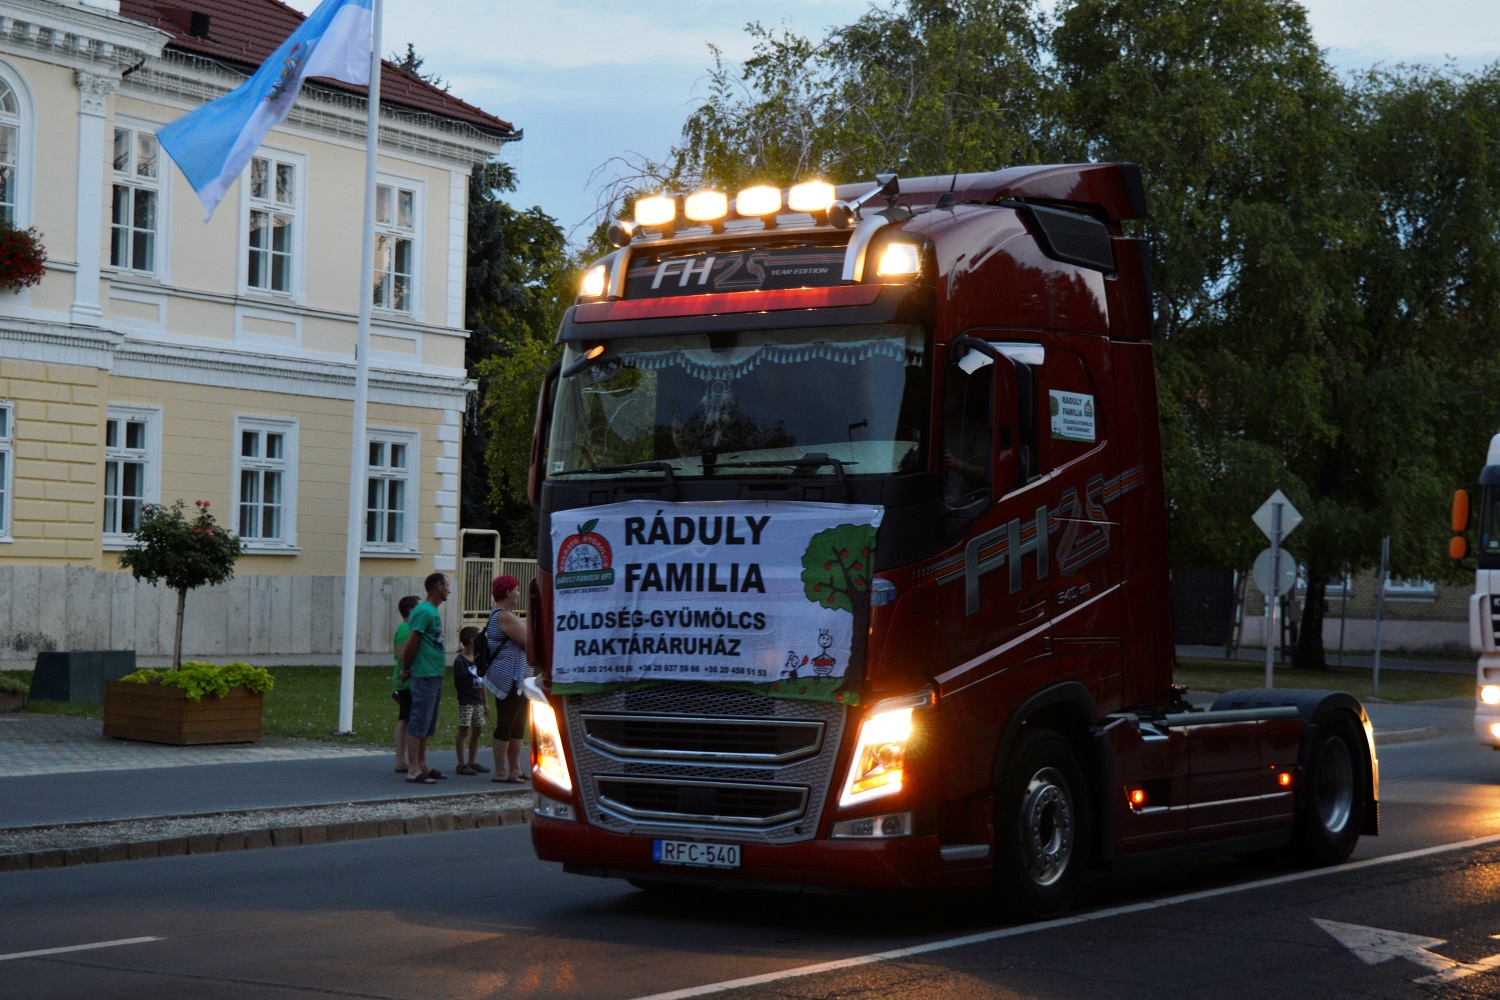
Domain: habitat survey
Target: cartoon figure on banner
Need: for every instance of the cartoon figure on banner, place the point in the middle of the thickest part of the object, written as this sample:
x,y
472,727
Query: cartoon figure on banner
x,y
789,669
823,663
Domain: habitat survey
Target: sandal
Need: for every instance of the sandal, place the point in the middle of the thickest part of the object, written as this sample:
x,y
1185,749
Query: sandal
x,y
479,768
421,779
433,772
464,769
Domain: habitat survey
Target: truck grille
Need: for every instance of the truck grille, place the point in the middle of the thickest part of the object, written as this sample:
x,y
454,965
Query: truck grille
x,y
688,754
1495,619
710,802
754,741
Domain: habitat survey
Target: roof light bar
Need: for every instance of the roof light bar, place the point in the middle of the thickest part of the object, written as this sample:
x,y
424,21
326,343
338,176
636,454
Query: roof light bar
x,y
655,210
758,201
810,196
706,206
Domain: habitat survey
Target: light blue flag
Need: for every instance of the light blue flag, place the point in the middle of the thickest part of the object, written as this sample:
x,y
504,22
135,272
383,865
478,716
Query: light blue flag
x,y
212,145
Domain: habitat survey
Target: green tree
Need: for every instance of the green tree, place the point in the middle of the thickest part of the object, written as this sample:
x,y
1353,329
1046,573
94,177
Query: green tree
x,y
183,554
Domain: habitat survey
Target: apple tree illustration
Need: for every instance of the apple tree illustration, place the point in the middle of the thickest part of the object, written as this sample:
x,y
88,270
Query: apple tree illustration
x,y
837,565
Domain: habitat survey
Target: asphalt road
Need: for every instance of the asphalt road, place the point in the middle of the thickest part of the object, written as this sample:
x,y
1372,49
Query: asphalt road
x,y
473,914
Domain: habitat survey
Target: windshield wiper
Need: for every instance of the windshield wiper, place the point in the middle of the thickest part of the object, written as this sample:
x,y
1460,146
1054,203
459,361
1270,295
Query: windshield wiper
x,y
810,462
662,467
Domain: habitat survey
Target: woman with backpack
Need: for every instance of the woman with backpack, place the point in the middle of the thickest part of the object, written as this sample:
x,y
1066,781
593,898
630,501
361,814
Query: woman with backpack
x,y
505,634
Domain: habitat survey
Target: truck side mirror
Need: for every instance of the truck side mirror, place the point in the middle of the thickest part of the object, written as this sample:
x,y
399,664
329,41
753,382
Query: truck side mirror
x,y
539,433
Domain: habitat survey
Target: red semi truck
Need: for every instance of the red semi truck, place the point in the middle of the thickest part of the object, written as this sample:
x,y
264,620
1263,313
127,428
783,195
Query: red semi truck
x,y
854,558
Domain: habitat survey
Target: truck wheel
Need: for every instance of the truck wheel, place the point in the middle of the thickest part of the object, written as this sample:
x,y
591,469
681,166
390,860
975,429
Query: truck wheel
x,y
1334,788
1041,827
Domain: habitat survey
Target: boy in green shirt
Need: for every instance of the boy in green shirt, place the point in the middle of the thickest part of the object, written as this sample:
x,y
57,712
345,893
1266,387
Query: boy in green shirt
x,y
424,662
401,690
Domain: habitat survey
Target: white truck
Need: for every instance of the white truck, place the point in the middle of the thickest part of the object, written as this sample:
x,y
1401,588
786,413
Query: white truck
x,y
1484,605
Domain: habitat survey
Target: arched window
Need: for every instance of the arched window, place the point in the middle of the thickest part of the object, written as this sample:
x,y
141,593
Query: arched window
x,y
10,150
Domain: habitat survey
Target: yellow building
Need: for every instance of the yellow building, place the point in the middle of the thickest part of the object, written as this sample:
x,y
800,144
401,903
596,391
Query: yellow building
x,y
162,358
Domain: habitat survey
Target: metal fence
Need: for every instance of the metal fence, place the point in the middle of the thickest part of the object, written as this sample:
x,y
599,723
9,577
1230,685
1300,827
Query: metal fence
x,y
523,570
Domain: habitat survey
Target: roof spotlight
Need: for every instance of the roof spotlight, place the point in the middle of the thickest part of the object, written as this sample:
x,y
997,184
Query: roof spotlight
x,y
810,196
706,206
655,210
757,201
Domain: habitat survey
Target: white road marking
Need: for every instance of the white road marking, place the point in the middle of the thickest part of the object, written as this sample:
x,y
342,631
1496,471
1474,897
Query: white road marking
x,y
1047,925
76,947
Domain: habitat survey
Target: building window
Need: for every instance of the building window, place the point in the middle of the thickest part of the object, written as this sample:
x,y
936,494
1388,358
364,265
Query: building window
x,y
395,246
273,220
391,491
133,216
1400,588
265,482
132,467
7,462
10,151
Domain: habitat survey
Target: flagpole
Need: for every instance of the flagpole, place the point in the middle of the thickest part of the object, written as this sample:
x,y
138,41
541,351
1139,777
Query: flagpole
x,y
361,391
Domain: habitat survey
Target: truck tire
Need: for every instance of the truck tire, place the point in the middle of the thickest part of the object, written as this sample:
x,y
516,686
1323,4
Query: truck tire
x,y
1041,827
1334,789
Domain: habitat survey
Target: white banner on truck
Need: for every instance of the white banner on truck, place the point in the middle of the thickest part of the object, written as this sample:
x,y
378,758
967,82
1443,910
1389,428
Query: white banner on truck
x,y
752,592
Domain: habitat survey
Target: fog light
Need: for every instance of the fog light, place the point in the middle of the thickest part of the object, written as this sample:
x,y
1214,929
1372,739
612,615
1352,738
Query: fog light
x,y
1490,694
1495,730
873,827
592,285
553,809
899,259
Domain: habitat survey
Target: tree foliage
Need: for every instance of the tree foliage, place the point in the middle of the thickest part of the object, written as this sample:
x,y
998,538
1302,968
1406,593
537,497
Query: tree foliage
x,y
1324,250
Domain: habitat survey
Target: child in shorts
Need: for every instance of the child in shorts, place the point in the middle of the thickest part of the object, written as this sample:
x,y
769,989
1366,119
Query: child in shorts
x,y
471,716
401,690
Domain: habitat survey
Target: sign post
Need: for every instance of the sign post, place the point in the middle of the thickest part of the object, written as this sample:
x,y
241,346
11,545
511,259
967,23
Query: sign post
x,y
1277,518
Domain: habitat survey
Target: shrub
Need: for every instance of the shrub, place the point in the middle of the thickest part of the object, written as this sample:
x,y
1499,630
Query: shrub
x,y
13,685
168,548
199,679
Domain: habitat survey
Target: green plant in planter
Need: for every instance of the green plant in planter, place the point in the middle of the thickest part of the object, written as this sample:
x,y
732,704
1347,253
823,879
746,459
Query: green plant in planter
x,y
13,685
23,259
199,679
168,548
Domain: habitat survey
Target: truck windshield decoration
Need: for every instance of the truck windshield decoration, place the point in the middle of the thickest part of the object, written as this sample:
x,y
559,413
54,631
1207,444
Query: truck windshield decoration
x,y
759,594
853,394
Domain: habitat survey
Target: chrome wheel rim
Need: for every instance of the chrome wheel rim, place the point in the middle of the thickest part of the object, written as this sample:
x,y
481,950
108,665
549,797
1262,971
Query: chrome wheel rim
x,y
1335,785
1047,826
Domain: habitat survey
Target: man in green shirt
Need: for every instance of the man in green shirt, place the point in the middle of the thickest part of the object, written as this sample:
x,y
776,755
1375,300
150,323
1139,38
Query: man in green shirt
x,y
424,662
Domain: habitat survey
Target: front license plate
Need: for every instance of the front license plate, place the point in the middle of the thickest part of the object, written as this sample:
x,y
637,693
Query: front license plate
x,y
694,854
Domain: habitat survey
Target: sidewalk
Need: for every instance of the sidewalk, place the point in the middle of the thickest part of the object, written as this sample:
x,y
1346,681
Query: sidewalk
x,y
1350,661
72,796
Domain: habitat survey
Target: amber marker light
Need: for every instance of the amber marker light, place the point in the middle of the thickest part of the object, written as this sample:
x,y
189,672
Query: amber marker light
x,y
706,206
810,196
1490,694
757,201
656,210
1284,779
1137,797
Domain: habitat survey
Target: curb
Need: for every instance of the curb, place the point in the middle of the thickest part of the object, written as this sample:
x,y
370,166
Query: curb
x,y
260,836
1397,736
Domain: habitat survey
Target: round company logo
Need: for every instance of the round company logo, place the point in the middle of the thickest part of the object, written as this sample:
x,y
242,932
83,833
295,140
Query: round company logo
x,y
583,559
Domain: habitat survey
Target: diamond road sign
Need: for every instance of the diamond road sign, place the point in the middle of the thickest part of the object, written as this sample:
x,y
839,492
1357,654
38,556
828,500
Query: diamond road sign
x,y
1290,517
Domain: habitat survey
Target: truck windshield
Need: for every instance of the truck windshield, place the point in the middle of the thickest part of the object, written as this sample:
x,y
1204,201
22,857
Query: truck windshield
x,y
685,404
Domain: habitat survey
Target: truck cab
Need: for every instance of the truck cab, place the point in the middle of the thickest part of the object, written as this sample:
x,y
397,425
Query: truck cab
x,y
854,557
1484,604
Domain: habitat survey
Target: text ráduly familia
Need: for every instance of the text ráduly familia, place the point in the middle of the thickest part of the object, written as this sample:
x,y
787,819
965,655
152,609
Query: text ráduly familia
x,y
695,577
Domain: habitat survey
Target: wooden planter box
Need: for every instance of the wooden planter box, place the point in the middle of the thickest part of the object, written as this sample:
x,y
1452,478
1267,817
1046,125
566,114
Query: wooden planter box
x,y
11,702
159,714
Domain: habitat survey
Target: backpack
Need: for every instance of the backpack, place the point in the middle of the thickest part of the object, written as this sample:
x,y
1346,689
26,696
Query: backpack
x,y
482,655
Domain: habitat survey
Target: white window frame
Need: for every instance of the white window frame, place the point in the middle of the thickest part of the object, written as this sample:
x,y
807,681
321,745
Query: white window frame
x,y
150,457
297,246
391,230
412,491
286,466
157,185
1400,588
7,467
24,122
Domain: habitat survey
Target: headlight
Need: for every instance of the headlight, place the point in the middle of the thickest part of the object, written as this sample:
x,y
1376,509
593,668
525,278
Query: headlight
x,y
547,754
879,763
